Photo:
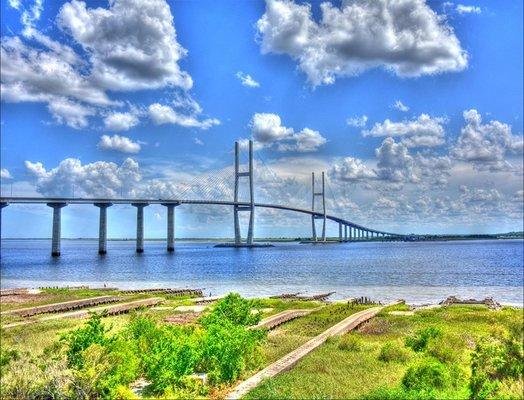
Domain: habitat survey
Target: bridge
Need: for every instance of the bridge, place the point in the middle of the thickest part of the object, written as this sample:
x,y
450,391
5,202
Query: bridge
x,y
348,230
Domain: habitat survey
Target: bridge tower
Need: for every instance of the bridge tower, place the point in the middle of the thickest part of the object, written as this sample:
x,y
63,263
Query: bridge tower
x,y
251,207
323,216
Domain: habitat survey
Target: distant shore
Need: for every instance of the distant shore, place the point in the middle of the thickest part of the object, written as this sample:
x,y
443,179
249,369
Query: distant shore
x,y
422,238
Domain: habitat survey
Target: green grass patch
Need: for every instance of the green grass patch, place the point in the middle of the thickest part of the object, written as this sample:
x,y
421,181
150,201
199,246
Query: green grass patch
x,y
381,366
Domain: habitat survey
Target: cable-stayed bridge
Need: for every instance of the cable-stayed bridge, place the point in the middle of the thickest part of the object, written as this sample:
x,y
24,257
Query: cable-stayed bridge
x,y
348,230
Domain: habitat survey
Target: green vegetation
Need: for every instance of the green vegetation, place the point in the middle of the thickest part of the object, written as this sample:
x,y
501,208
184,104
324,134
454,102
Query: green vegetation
x,y
454,352
92,361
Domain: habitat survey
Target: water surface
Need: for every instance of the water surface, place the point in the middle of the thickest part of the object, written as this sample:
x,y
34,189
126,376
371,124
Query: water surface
x,y
418,272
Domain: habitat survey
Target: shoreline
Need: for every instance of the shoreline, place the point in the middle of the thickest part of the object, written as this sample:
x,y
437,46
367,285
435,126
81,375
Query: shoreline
x,y
413,295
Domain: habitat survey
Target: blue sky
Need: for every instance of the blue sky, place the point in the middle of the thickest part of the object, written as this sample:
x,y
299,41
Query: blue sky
x,y
417,121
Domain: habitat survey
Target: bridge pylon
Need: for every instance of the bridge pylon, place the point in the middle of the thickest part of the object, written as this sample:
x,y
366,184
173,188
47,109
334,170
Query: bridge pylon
x,y
323,216
249,208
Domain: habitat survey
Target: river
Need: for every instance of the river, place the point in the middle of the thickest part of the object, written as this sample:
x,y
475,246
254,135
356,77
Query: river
x,y
419,272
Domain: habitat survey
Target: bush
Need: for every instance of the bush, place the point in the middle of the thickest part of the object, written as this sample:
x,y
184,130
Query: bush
x,y
350,343
235,309
419,341
105,371
167,353
426,376
36,379
391,351
497,361
447,349
80,339
228,350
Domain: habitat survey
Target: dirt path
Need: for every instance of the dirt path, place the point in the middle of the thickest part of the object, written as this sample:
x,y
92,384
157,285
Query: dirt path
x,y
290,359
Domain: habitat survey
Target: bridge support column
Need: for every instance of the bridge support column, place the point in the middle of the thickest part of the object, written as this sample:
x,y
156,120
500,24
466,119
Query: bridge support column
x,y
2,205
251,206
367,235
339,232
102,227
345,233
170,225
323,216
139,226
57,227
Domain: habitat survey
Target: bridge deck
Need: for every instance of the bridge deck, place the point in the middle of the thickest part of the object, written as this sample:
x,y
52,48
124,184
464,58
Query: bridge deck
x,y
76,200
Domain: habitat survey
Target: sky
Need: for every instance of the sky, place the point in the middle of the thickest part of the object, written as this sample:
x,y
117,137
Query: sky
x,y
412,108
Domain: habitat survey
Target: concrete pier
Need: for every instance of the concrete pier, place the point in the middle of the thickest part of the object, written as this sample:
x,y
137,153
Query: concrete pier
x,y
339,232
57,227
102,227
170,225
139,226
345,233
2,205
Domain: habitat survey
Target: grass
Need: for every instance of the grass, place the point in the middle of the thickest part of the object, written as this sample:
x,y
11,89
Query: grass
x,y
35,337
291,335
49,296
339,370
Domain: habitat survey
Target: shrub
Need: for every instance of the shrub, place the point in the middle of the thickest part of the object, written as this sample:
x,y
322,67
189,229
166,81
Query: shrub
x,y
419,341
392,351
426,376
80,339
447,349
36,379
228,350
105,370
167,353
235,309
496,360
350,343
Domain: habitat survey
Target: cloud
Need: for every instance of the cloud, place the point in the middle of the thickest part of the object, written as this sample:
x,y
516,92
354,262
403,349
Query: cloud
x,y
132,44
267,130
120,121
35,75
462,9
129,46
424,131
118,143
357,122
406,37
98,179
199,142
247,80
395,164
70,113
400,106
351,169
486,145
5,174
163,114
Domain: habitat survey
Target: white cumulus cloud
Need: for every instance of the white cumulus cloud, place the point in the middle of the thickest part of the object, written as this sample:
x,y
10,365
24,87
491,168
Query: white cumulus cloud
x,y
118,143
267,130
97,179
486,145
162,114
357,122
406,37
5,174
247,80
424,131
400,106
120,121
132,44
